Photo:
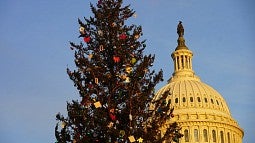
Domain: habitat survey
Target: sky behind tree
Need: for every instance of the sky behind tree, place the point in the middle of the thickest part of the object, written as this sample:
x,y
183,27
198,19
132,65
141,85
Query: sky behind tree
x,y
34,44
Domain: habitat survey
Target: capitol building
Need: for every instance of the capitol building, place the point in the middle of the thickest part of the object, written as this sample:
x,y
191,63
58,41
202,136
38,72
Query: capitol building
x,y
200,110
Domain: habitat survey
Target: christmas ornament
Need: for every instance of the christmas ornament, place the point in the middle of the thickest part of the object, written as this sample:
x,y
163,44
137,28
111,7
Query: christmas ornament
x,y
122,133
127,80
140,140
90,56
110,125
134,15
112,110
112,115
145,70
87,39
122,36
82,30
101,48
96,80
100,33
133,60
123,76
130,117
63,125
131,139
114,24
129,69
97,104
137,36
116,59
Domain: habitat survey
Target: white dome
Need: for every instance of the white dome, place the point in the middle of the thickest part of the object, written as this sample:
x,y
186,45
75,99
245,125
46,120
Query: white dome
x,y
199,109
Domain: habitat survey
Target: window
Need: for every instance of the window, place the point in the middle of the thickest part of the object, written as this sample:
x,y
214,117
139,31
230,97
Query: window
x,y
191,99
221,137
198,99
228,137
183,99
205,100
196,135
212,101
205,135
217,102
176,100
214,135
186,135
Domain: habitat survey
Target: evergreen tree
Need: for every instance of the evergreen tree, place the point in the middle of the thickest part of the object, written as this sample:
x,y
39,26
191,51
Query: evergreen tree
x,y
115,84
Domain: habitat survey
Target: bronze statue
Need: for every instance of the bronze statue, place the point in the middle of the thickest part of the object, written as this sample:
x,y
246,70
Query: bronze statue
x,y
180,29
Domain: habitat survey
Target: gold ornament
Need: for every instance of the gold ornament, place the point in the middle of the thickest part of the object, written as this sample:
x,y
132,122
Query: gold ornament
x,y
140,140
133,60
129,69
96,80
127,80
97,104
90,56
131,139
110,125
82,30
137,36
63,125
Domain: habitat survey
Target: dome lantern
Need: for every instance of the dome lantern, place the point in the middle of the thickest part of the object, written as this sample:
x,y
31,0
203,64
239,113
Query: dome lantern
x,y
182,58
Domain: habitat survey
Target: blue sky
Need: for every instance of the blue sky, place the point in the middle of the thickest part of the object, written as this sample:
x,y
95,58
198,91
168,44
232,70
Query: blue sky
x,y
35,52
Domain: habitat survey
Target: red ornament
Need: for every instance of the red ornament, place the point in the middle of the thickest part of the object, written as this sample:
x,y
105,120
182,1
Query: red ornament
x,y
113,117
86,39
116,59
122,36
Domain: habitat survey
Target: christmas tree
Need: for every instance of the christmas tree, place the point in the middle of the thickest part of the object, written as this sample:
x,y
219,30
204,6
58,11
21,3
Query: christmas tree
x,y
115,83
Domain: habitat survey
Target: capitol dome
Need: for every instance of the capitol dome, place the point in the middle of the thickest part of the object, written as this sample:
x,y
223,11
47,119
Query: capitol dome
x,y
199,109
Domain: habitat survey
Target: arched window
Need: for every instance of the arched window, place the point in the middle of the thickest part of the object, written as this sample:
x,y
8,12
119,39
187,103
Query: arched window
x,y
214,135
228,137
176,100
221,137
186,135
183,99
196,135
198,99
191,99
205,100
205,135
